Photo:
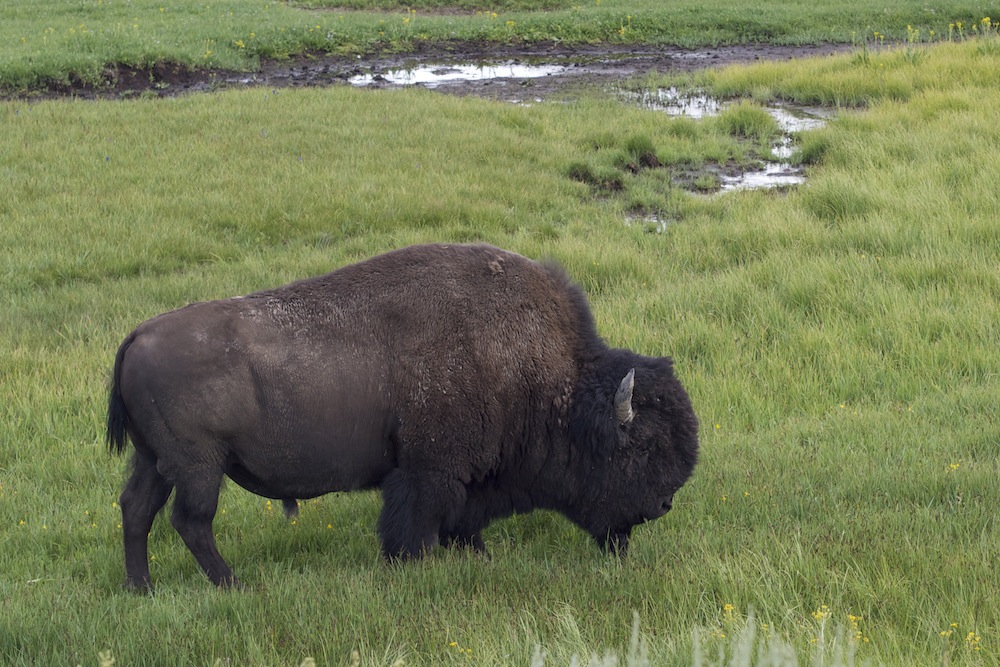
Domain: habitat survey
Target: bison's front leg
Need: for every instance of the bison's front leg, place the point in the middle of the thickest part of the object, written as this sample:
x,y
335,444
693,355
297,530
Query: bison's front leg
x,y
416,504
615,541
466,531
463,540
194,509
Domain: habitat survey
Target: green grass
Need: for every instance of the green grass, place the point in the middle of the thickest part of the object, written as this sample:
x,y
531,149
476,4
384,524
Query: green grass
x,y
840,343
48,42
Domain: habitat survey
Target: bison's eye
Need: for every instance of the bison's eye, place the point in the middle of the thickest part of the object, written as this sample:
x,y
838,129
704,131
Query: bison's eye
x,y
643,449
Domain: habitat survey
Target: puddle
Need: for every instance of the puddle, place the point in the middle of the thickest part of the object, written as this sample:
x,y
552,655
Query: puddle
x,y
793,118
773,175
790,118
674,103
431,75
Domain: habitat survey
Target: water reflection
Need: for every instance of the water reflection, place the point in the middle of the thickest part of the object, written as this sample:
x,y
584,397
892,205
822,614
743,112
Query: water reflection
x,y
431,76
790,118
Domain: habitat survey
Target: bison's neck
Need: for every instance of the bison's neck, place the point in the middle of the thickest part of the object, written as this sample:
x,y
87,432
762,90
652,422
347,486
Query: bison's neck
x,y
590,438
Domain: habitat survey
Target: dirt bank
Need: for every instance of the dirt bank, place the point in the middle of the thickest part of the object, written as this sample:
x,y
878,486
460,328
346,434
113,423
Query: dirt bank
x,y
573,67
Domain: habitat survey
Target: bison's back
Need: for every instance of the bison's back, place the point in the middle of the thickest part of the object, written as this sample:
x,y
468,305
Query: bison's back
x,y
433,289
472,308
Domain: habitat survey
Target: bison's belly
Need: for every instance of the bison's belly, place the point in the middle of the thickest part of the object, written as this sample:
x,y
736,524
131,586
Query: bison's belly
x,y
305,469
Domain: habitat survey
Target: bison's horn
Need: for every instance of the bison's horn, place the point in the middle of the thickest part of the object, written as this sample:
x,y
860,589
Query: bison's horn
x,y
623,398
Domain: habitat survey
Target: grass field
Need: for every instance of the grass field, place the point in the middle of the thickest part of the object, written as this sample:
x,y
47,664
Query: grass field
x,y
839,341
62,41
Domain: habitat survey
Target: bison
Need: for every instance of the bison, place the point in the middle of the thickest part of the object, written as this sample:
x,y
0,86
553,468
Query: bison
x,y
466,382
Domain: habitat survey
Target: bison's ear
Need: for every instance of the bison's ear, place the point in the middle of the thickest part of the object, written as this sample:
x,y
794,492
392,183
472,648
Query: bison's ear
x,y
623,398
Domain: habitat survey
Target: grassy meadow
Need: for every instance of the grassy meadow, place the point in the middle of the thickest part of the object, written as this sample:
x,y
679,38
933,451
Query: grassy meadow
x,y
840,342
46,42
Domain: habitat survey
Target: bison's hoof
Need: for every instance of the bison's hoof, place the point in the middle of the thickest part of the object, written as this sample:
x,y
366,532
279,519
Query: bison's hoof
x,y
139,586
230,583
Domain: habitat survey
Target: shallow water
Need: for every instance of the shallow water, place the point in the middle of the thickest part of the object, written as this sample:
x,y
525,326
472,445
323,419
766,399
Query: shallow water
x,y
773,175
675,103
796,118
431,75
790,118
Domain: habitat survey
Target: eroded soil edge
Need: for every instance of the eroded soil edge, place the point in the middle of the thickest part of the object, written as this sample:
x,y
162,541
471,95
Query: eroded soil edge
x,y
584,66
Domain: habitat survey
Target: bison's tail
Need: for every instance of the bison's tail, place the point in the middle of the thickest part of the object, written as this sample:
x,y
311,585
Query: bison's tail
x,y
117,414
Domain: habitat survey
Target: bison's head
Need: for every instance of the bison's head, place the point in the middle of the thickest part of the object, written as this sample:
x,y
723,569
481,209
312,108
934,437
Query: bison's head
x,y
641,440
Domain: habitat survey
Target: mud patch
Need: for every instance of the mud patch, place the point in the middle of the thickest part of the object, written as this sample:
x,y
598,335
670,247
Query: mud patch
x,y
574,67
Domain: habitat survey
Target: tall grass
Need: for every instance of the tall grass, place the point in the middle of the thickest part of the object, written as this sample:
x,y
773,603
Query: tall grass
x,y
839,342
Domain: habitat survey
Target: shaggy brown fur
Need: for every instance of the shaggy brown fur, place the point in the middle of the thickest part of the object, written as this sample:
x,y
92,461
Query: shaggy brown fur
x,y
466,382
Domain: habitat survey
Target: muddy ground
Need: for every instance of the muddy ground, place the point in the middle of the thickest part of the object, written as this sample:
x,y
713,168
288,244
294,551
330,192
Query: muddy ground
x,y
582,67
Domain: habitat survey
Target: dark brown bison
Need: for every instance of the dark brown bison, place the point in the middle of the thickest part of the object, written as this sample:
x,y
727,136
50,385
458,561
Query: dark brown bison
x,y
467,382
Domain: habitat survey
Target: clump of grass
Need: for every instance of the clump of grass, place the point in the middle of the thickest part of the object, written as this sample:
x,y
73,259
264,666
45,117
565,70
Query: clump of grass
x,y
747,120
836,200
637,654
745,643
638,153
738,641
603,180
454,5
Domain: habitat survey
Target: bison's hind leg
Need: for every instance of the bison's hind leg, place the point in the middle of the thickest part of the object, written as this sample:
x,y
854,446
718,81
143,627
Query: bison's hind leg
x,y
143,497
195,503
416,505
